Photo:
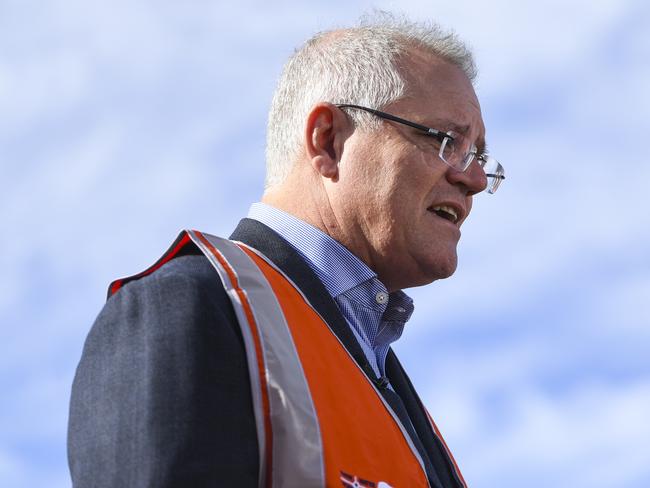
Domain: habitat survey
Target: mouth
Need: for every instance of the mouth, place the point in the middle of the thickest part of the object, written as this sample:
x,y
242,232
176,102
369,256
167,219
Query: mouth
x,y
451,213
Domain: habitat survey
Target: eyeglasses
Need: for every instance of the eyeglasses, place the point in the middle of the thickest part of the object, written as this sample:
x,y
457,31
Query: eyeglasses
x,y
454,149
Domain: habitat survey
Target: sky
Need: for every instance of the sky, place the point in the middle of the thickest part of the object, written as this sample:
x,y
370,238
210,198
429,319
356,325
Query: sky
x,y
123,122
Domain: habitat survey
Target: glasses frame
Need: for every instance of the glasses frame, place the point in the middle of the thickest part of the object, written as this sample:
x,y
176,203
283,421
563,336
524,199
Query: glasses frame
x,y
442,137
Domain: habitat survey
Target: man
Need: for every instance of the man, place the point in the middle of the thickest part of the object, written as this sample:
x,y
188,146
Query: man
x,y
266,360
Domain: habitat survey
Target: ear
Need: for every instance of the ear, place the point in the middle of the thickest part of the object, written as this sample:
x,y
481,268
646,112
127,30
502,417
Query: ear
x,y
326,130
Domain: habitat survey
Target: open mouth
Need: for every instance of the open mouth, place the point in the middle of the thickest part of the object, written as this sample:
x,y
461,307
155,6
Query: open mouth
x,y
446,212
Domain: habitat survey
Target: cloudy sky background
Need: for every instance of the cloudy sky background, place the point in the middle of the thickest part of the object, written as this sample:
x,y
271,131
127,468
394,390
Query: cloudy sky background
x,y
123,122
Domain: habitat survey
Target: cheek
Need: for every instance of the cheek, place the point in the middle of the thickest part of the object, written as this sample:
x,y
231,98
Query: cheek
x,y
392,184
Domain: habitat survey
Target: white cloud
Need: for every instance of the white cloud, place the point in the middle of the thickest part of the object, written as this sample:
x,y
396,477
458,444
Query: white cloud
x,y
552,441
627,306
11,469
507,432
16,472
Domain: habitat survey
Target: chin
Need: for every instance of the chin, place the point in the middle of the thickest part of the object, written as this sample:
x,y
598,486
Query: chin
x,y
418,270
428,274
441,268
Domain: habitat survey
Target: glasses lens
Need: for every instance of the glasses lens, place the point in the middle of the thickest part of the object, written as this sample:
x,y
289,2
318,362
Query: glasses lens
x,y
494,172
456,151
447,151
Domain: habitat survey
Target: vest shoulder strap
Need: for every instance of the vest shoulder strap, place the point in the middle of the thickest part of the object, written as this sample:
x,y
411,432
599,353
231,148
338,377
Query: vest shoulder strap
x,y
182,246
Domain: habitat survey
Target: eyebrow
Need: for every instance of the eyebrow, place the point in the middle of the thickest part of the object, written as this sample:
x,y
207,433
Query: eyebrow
x,y
461,129
445,125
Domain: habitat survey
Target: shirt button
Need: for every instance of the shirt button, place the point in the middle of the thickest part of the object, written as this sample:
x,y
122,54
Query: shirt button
x,y
381,297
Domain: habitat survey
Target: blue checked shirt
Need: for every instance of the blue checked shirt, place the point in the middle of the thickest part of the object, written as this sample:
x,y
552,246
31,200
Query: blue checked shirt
x,y
375,316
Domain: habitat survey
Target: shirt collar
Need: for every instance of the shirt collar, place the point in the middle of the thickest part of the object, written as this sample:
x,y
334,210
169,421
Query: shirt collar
x,y
333,263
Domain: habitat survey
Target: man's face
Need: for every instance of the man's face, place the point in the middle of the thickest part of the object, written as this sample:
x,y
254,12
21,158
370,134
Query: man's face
x,y
393,189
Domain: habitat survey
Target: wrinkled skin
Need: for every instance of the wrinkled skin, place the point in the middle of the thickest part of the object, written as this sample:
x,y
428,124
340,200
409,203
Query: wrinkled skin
x,y
373,190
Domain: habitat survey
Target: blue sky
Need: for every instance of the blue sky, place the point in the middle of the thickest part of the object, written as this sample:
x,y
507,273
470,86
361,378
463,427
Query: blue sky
x,y
123,122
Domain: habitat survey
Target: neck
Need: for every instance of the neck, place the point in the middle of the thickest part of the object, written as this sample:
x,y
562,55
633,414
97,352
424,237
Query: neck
x,y
301,198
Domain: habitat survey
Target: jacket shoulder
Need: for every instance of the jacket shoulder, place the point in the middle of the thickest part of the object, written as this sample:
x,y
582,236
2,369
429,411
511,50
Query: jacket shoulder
x,y
162,387
182,246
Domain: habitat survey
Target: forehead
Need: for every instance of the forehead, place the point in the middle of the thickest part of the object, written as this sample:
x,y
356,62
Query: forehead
x,y
439,92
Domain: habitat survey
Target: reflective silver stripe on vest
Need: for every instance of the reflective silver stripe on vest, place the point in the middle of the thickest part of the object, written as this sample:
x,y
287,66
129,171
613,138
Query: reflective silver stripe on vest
x,y
297,458
397,420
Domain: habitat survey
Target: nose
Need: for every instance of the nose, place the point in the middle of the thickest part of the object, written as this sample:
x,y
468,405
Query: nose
x,y
472,180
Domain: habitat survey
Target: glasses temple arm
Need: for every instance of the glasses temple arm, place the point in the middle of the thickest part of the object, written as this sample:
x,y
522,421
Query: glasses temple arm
x,y
399,120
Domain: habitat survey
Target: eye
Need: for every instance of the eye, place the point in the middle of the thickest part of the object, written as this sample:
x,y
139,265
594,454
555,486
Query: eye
x,y
435,140
450,143
449,146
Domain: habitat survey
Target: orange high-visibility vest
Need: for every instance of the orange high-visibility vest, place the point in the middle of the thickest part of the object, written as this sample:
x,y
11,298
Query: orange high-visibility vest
x,y
320,420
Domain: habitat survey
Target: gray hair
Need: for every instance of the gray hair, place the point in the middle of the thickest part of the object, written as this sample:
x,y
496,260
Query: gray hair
x,y
357,65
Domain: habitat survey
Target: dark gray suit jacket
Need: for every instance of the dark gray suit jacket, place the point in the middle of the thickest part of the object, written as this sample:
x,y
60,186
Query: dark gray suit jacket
x,y
161,397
